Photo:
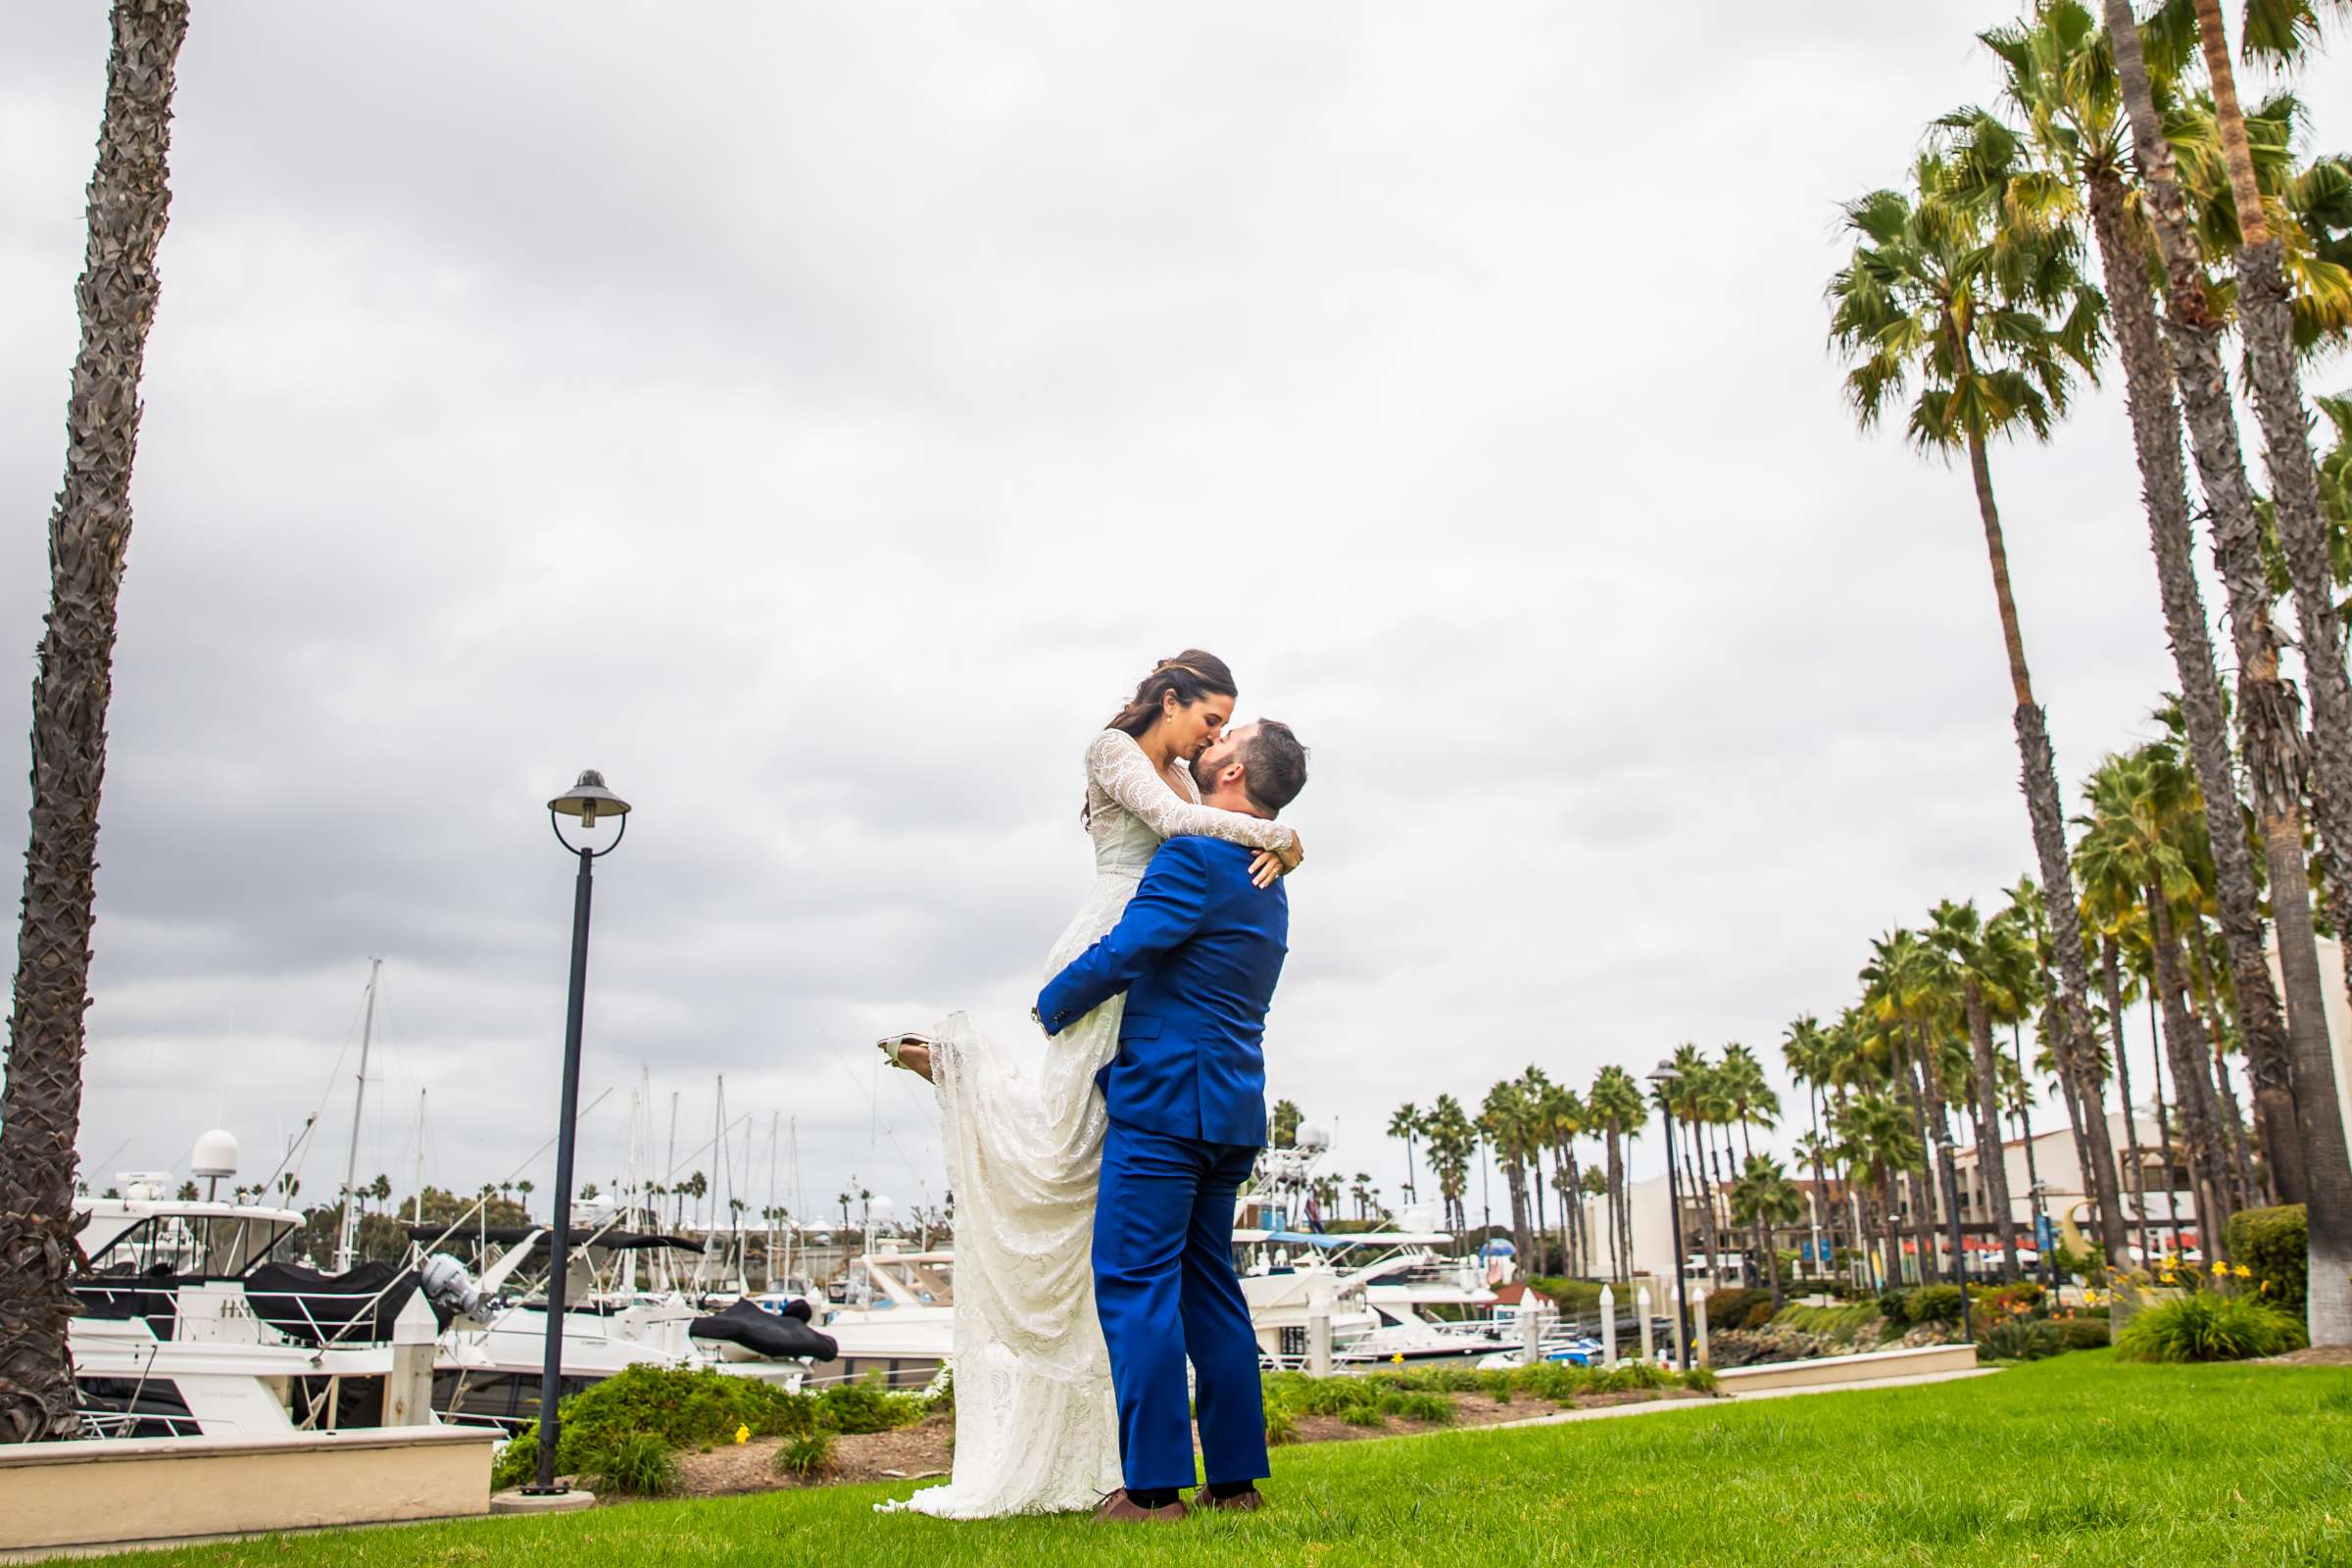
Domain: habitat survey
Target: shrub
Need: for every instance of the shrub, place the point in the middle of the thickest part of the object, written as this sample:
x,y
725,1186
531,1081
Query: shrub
x,y
1573,1298
866,1406
1281,1423
2081,1333
1626,1375
2022,1340
2275,1242
517,1463
635,1464
1701,1378
1895,1307
1998,1297
2208,1328
1730,1310
1434,1408
809,1454
1363,1415
1933,1303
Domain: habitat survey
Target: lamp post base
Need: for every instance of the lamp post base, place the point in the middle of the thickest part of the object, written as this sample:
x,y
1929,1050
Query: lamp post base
x,y
530,1499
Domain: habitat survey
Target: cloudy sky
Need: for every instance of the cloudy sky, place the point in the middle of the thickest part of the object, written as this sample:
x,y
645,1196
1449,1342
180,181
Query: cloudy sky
x,y
817,416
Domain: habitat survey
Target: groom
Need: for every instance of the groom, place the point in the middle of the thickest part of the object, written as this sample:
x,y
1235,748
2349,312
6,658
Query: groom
x,y
1197,953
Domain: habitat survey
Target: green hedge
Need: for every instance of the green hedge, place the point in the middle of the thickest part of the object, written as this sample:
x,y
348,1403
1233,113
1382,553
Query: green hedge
x,y
1733,1310
607,1423
1933,1303
2275,1244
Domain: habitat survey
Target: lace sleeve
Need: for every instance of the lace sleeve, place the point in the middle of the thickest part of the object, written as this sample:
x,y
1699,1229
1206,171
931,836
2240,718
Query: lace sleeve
x,y
1119,768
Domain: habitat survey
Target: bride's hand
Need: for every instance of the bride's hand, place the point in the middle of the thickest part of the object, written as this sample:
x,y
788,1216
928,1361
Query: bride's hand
x,y
1271,863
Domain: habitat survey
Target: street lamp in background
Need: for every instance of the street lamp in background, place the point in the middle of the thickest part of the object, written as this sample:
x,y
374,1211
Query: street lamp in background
x,y
2045,1235
1663,1078
588,801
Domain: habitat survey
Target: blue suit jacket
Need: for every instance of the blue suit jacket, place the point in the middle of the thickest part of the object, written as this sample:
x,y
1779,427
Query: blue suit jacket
x,y
1197,953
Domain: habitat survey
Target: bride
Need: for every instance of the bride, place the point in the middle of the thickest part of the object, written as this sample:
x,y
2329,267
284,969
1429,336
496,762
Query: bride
x,y
1036,1427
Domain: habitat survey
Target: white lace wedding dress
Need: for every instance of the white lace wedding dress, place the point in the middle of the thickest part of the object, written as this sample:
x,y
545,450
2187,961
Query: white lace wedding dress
x,y
1036,1429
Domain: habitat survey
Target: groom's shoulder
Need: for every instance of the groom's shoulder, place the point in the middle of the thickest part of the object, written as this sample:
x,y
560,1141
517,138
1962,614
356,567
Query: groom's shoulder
x,y
1200,850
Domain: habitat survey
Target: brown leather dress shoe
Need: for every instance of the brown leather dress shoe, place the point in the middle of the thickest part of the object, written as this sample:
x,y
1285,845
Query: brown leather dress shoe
x,y
1240,1502
1120,1510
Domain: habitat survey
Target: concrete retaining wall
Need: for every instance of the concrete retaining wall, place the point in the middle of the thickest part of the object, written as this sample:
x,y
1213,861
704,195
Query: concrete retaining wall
x,y
1926,1360
131,1489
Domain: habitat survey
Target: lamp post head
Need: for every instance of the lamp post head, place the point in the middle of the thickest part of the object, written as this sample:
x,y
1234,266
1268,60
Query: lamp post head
x,y
1663,1077
589,799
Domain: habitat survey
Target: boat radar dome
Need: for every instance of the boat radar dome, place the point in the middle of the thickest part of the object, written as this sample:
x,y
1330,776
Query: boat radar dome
x,y
1312,1136
215,1155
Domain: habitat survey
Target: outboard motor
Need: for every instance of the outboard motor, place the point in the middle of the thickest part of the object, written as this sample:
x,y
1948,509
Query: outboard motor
x,y
452,1291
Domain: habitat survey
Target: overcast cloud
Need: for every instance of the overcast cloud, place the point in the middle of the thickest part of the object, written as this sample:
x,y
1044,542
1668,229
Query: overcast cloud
x,y
817,416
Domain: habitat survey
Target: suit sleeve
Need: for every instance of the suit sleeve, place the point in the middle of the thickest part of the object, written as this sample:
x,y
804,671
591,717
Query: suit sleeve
x,y
1167,908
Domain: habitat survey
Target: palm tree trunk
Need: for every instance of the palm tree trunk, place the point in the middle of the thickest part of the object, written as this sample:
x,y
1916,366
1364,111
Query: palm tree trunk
x,y
2233,1119
2267,320
1889,1239
2071,1024
89,531
2184,1051
1992,1168
1920,1187
2265,708
2111,965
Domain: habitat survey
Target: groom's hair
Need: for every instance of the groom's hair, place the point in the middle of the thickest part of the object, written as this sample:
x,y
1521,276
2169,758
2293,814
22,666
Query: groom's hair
x,y
1273,765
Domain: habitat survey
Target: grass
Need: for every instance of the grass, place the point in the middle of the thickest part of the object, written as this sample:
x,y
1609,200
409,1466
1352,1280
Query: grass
x,y
2080,1459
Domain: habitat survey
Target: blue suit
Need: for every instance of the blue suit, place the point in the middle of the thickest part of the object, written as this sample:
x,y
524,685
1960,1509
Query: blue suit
x,y
1197,953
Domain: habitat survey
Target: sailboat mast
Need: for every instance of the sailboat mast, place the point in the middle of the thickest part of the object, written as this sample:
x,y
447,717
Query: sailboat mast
x,y
416,1209
349,1230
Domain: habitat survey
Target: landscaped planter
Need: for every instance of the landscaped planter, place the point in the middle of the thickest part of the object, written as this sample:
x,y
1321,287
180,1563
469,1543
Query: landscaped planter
x,y
1828,1371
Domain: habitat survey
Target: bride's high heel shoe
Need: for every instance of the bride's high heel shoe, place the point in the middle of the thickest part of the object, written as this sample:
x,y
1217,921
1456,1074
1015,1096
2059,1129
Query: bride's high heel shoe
x,y
894,1048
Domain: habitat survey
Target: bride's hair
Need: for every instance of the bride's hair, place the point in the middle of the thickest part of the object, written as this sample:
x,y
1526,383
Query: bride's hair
x,y
1190,675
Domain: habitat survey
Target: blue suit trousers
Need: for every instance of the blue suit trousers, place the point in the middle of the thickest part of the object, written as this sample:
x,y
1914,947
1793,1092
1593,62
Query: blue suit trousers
x,y
1166,1292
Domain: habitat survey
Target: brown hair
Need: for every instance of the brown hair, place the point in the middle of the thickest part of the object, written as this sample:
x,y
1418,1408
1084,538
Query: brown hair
x,y
1190,675
1273,765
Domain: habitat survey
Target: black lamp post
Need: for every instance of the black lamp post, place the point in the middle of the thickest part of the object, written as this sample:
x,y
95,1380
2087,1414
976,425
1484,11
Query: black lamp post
x,y
1664,1079
587,801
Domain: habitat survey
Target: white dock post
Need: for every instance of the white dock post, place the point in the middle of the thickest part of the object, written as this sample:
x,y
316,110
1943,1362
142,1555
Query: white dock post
x,y
1318,1325
1649,1350
1609,1327
1699,1322
409,1391
1530,1331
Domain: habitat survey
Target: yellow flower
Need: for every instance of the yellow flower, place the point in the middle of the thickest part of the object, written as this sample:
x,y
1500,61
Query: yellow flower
x,y
2169,1277
743,1434
1397,1358
2221,1270
2242,1272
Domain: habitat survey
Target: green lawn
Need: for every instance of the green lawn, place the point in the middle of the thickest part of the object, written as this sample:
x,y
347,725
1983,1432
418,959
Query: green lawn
x,y
2074,1460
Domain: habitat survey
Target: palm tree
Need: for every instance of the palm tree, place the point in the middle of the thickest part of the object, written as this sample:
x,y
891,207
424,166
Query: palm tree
x,y
1984,960
1406,1123
1503,1121
526,1187
1451,1139
2082,1074
1878,1138
2266,316
1690,1099
2139,834
1283,1124
1764,1199
1741,1079
1617,1108
1938,293
89,531
2061,76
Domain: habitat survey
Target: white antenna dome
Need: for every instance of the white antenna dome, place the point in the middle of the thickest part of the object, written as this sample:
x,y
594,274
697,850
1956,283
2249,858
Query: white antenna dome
x,y
883,1210
1312,1136
215,1155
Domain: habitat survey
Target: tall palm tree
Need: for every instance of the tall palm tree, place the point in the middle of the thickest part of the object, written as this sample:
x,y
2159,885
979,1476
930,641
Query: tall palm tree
x,y
1406,1123
1690,1099
1878,1138
1764,1199
1983,959
2061,76
89,532
1617,1108
1282,1124
2139,832
1502,1122
1936,292
2267,316
1451,1139
1754,1103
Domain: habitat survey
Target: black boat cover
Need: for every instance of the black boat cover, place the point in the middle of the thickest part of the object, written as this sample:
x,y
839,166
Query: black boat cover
x,y
312,1308
771,1333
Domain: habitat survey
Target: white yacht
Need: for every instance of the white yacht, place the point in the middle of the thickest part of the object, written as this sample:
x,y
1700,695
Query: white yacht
x,y
897,1317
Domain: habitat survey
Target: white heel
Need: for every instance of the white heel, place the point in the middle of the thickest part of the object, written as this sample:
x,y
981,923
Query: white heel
x,y
890,1046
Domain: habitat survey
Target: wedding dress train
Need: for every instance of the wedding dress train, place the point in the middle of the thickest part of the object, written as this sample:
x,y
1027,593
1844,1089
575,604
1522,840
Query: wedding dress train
x,y
1036,1426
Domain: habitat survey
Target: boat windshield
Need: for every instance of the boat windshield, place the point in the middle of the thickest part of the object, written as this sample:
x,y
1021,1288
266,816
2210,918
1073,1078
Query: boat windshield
x,y
214,1244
